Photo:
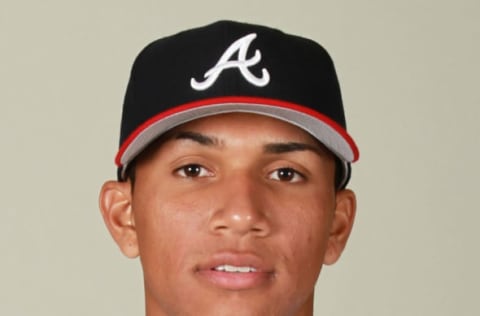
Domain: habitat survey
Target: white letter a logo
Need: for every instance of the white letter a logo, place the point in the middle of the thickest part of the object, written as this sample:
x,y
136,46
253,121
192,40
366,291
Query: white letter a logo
x,y
241,45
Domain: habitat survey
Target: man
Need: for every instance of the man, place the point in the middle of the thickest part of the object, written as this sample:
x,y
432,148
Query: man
x,y
232,169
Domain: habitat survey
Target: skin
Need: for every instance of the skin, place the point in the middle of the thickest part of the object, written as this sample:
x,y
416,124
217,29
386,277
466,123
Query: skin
x,y
238,189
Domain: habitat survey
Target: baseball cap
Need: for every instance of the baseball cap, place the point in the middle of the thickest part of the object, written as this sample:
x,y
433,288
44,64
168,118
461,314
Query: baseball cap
x,y
230,67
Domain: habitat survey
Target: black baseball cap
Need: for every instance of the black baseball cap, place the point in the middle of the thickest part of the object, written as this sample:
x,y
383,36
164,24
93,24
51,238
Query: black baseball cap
x,y
230,67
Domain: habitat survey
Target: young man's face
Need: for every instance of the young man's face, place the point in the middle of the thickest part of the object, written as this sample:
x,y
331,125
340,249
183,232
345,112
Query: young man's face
x,y
232,214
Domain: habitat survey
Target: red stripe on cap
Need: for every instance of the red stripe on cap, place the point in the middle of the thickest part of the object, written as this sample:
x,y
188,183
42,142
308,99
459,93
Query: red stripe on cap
x,y
237,99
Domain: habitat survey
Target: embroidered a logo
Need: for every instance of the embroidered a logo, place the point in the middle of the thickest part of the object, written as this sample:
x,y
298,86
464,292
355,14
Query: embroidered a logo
x,y
242,63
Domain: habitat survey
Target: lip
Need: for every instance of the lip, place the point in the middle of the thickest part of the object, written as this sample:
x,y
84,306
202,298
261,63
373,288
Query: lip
x,y
260,276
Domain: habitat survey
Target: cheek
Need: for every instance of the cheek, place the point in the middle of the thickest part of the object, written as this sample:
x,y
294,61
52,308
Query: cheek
x,y
306,226
168,227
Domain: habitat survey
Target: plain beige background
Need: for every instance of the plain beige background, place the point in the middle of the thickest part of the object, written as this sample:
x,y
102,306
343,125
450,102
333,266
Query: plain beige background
x,y
409,71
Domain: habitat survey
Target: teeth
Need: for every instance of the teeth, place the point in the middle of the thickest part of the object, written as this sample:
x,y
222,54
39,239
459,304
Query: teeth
x,y
229,268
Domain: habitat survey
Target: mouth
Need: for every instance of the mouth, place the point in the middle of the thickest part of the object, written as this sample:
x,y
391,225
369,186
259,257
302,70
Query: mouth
x,y
234,271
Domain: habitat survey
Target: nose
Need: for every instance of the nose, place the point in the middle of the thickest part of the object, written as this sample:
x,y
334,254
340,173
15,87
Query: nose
x,y
241,208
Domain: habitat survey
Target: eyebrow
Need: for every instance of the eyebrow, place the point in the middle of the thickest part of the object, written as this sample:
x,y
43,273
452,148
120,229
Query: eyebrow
x,y
197,137
270,148
281,148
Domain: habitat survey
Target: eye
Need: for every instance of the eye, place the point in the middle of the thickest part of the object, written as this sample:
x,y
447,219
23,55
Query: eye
x,y
286,175
193,171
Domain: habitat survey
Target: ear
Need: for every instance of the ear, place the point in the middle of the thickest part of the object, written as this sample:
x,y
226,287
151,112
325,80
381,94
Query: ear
x,y
341,225
116,207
